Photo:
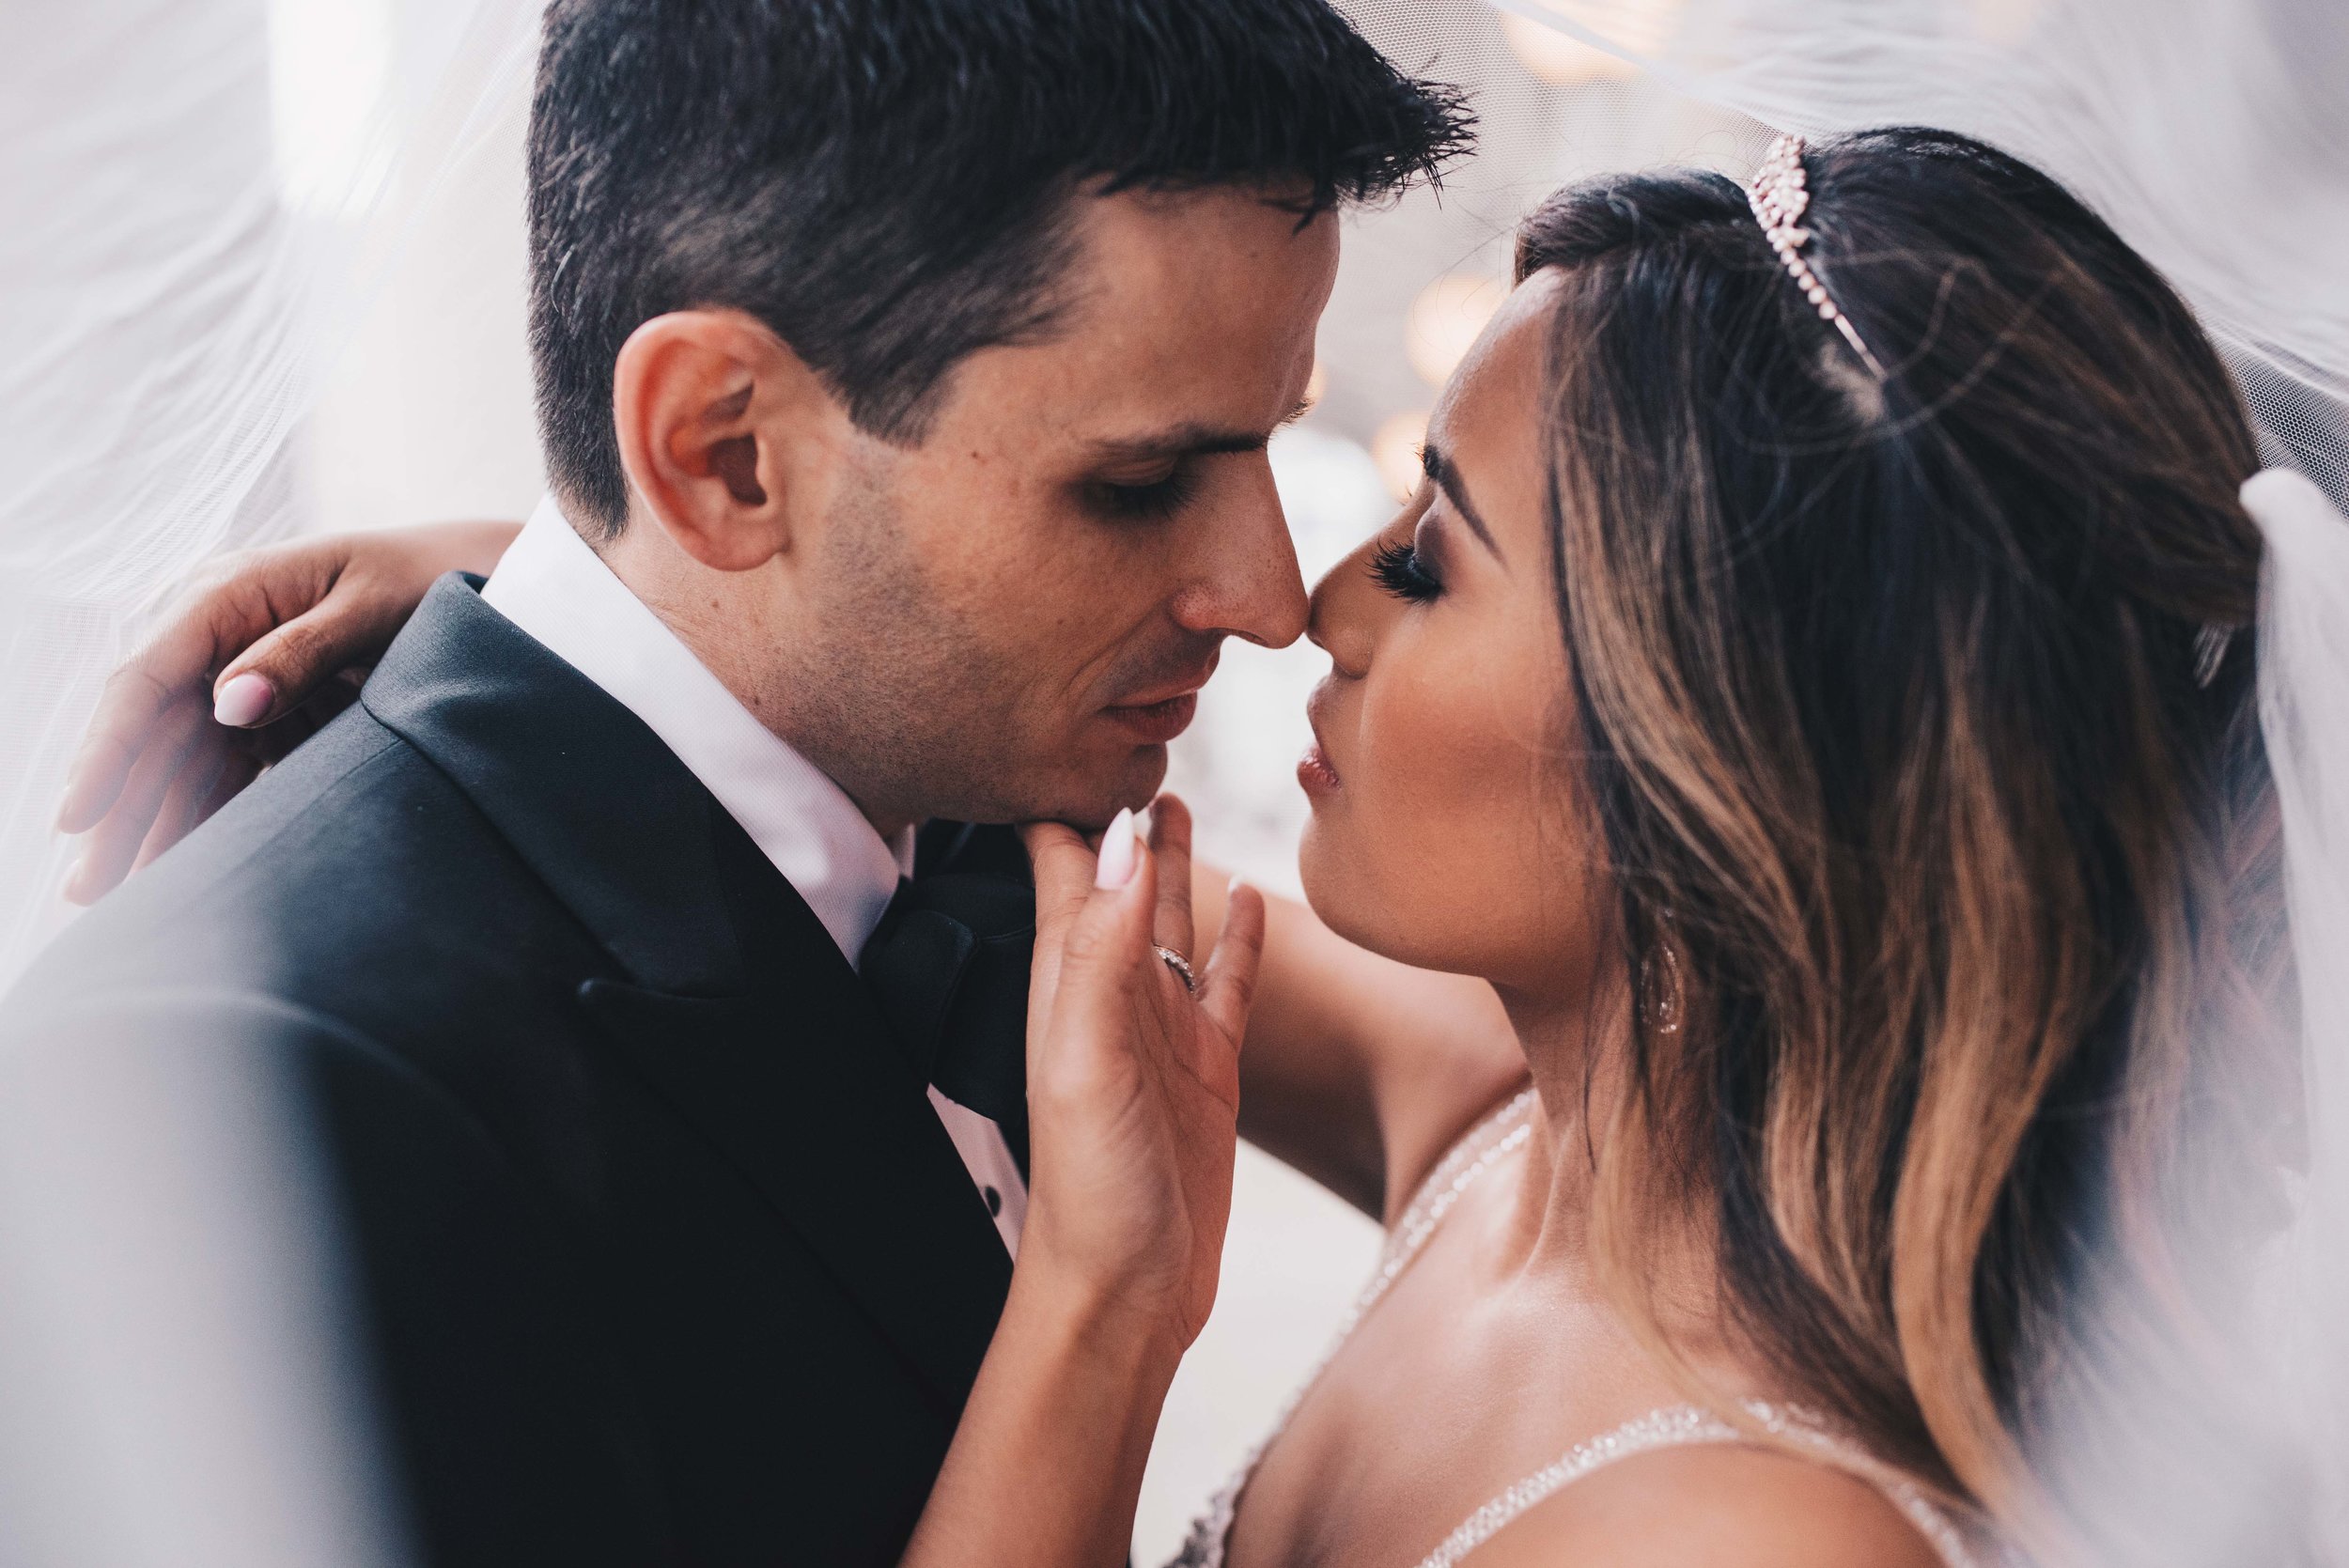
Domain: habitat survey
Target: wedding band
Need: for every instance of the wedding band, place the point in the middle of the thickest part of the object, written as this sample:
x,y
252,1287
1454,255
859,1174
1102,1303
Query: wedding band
x,y
1181,966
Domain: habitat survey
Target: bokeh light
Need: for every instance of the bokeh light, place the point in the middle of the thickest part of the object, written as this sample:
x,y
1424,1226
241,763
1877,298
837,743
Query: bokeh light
x,y
1395,449
1445,321
2005,22
1643,27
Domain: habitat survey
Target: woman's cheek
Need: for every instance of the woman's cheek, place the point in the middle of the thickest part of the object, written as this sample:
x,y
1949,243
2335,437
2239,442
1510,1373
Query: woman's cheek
x,y
1452,791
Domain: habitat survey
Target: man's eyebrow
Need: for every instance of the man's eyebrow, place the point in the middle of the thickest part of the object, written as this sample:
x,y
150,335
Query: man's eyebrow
x,y
1195,441
1447,479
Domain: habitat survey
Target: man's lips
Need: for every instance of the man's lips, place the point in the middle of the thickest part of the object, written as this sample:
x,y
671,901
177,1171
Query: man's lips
x,y
1157,714
1155,723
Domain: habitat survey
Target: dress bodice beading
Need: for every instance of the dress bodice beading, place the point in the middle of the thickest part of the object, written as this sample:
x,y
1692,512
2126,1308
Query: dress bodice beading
x,y
1483,1146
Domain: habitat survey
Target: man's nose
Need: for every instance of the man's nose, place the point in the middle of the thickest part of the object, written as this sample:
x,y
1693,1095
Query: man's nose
x,y
1251,586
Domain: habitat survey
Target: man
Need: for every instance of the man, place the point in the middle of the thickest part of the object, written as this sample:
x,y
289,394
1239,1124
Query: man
x,y
905,370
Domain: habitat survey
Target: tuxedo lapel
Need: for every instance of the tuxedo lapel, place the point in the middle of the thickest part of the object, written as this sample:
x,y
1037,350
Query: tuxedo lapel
x,y
877,1193
737,1005
601,810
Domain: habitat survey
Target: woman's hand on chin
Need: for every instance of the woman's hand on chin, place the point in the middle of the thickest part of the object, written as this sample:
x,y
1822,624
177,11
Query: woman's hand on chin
x,y
1133,1080
262,649
1133,1095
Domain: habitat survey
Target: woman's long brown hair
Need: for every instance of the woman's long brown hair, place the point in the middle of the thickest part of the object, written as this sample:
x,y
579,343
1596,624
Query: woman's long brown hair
x,y
1962,877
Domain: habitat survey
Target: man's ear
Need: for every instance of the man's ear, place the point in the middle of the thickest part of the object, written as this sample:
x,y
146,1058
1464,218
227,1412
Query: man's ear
x,y
723,431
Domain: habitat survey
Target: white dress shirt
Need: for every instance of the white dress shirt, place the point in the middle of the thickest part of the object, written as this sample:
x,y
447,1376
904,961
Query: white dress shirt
x,y
558,590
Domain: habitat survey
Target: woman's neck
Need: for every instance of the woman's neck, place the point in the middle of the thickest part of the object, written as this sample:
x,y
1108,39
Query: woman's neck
x,y
1549,1231
1577,1049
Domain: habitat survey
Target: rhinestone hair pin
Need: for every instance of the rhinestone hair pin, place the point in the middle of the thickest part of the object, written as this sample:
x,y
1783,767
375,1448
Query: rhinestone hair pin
x,y
1781,194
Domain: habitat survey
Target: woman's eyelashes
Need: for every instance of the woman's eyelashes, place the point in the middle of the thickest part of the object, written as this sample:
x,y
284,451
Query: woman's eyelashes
x,y
1152,501
1403,571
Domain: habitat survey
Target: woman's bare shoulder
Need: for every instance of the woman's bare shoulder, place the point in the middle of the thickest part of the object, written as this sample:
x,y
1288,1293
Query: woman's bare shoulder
x,y
1714,1506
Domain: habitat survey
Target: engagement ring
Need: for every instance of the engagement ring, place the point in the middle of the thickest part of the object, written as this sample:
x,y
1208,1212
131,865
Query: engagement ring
x,y
1181,966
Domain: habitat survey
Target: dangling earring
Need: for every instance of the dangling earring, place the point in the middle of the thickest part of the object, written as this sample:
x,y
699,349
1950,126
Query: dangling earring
x,y
1662,1002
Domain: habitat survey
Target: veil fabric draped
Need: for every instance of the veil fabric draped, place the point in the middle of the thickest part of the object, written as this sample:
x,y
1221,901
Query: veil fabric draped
x,y
193,228
203,195
2304,714
193,231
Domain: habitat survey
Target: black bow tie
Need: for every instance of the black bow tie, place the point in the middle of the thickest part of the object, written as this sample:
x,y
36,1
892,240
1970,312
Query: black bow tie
x,y
948,963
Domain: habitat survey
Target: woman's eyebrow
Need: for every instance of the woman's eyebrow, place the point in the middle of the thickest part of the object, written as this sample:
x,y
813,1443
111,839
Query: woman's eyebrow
x,y
1447,479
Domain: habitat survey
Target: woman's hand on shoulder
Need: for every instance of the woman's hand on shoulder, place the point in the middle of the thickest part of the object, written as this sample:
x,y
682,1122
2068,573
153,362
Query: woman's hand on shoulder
x,y
265,646
1713,1506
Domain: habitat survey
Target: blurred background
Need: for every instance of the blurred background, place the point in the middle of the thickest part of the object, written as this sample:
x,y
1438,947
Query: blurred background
x,y
265,270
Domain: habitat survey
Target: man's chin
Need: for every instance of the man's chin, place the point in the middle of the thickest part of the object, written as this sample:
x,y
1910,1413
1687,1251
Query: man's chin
x,y
1127,782
1128,778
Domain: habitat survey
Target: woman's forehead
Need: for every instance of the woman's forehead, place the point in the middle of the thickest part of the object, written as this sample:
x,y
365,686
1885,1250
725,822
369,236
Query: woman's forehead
x,y
1488,420
1505,361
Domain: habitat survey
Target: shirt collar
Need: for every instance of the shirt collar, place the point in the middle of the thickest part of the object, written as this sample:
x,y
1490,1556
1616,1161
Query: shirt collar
x,y
555,588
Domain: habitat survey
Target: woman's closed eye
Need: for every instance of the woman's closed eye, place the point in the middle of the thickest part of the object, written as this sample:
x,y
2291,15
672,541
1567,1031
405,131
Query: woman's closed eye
x,y
1403,572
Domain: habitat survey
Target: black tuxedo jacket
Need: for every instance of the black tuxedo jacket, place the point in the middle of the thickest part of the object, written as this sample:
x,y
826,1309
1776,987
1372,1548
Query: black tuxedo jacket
x,y
664,1255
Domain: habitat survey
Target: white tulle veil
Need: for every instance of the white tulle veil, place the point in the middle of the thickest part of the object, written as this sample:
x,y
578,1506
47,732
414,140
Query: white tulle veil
x,y
2304,715
202,199
206,200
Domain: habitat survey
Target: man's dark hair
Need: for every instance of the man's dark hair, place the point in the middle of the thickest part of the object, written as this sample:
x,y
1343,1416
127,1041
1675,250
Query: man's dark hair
x,y
885,184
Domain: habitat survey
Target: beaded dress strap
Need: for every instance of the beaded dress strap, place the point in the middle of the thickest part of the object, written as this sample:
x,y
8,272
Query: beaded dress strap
x,y
1681,1426
1483,1146
1479,1149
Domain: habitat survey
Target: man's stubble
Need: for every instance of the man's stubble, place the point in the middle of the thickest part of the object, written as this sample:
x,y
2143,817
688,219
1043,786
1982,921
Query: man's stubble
x,y
901,696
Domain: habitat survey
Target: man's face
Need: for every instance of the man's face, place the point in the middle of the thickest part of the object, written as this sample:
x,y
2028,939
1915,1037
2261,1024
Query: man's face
x,y
1014,615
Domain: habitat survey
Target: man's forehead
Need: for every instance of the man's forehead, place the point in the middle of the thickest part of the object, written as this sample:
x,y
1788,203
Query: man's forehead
x,y
1189,335
1142,247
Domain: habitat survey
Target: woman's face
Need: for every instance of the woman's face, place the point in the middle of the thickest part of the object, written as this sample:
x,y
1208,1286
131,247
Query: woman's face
x,y
1445,830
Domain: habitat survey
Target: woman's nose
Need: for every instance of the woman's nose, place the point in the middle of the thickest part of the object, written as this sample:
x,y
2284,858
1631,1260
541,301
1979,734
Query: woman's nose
x,y
1339,615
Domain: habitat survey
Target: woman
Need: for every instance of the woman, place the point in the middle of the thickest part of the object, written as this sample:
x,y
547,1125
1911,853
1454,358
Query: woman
x,y
1805,695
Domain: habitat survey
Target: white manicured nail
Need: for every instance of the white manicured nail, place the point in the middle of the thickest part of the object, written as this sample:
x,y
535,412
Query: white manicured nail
x,y
243,701
1115,867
